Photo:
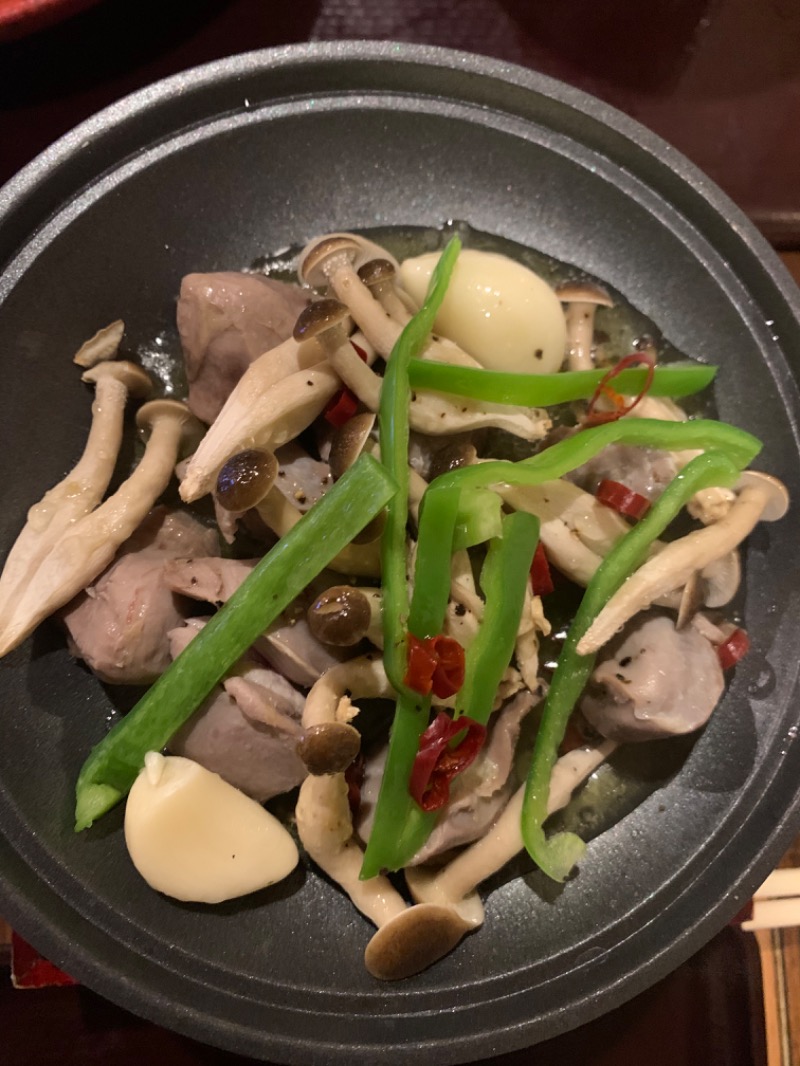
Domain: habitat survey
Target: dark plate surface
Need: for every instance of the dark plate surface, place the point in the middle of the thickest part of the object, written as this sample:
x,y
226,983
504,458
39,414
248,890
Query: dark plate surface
x,y
208,171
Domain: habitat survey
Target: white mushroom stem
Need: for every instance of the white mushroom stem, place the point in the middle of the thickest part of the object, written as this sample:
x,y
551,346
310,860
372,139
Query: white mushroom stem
x,y
578,531
409,939
672,567
579,317
91,542
83,488
434,413
455,884
260,417
329,699
325,827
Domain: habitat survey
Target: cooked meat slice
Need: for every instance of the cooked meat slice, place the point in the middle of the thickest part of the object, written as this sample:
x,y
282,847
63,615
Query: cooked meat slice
x,y
211,580
246,731
226,321
119,625
656,681
643,470
288,646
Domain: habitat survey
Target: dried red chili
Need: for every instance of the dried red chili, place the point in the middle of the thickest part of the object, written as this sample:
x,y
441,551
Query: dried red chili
x,y
541,578
341,408
620,404
436,763
435,664
622,499
733,649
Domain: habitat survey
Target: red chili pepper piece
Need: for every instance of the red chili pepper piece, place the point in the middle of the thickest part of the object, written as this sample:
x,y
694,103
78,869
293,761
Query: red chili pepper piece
x,y
435,664
622,499
436,763
362,355
621,406
734,648
354,778
341,408
541,578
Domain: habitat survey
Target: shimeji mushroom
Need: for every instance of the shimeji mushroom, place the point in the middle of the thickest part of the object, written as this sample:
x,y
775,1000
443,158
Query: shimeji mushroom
x,y
409,939
433,412
103,345
90,543
247,480
454,886
344,615
578,531
279,395
83,488
329,742
379,276
582,300
760,497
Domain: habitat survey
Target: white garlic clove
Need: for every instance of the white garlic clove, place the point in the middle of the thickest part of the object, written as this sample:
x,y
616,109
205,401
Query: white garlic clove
x,y
497,310
196,838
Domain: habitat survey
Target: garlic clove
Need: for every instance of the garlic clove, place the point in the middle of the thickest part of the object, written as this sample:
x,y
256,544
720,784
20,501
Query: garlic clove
x,y
196,838
497,310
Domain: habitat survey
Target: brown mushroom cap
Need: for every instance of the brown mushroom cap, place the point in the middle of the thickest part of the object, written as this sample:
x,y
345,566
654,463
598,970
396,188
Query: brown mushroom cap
x,y
413,940
329,748
136,381
451,457
245,479
377,272
320,258
585,292
348,442
321,318
340,616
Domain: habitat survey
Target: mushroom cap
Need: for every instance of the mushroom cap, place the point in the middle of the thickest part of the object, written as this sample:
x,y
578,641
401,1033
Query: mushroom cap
x,y
778,503
413,940
154,410
329,748
451,457
320,257
245,479
340,616
320,316
348,442
585,292
377,272
136,380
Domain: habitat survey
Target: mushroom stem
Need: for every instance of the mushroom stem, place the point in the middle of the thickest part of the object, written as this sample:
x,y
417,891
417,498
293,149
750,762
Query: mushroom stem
x,y
409,939
83,488
672,567
455,884
328,709
582,301
434,413
91,542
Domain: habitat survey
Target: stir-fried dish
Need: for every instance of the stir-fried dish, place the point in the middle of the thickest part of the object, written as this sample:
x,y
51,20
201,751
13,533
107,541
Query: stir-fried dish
x,y
410,466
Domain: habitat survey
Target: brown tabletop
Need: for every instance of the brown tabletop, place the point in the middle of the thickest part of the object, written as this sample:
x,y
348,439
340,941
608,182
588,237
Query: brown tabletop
x,y
720,79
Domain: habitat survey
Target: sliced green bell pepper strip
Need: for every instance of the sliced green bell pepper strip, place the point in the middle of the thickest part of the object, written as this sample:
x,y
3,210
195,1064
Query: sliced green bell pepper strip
x,y
479,518
394,432
279,577
557,855
701,434
544,390
504,578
